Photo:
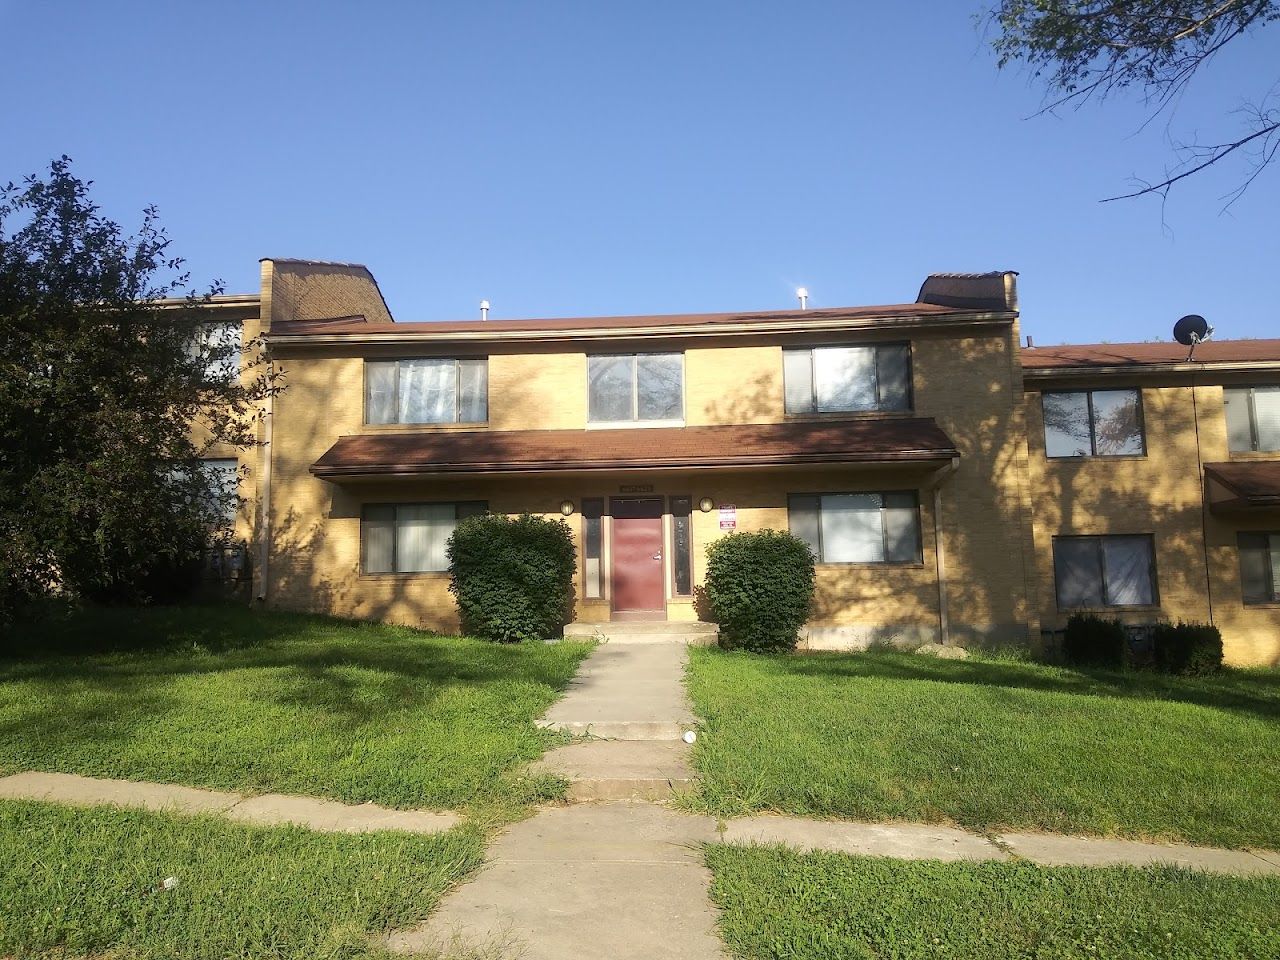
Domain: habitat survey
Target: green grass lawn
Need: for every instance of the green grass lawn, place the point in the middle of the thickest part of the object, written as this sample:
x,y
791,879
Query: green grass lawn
x,y
782,905
81,883
227,698
991,744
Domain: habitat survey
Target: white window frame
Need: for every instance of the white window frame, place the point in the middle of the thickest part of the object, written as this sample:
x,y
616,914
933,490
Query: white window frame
x,y
1250,397
457,392
634,422
813,410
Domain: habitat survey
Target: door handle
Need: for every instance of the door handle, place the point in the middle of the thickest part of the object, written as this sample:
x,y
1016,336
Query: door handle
x,y
657,556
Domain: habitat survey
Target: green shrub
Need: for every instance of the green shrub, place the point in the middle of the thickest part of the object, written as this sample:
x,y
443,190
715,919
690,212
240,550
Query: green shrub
x,y
759,588
512,576
1187,649
1091,641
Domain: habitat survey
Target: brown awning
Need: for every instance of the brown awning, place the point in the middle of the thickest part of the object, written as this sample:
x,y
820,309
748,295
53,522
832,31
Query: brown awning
x,y
874,440
1244,485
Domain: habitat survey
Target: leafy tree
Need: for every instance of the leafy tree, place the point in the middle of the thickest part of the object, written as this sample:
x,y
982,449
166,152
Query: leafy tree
x,y
104,370
1085,49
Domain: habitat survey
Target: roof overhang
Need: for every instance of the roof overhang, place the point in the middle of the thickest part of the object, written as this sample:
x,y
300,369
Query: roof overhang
x,y
895,442
423,335
1145,370
1243,486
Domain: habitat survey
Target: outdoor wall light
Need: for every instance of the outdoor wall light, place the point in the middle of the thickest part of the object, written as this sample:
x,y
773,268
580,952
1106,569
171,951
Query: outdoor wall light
x,y
566,507
705,504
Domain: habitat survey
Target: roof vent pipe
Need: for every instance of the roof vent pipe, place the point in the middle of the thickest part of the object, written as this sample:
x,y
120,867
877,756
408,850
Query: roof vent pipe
x,y
484,309
803,294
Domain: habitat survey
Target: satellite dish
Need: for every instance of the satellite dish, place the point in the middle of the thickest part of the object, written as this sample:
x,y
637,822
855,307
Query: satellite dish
x,y
1191,329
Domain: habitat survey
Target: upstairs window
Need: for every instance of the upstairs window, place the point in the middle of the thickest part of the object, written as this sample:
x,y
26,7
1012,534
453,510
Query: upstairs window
x,y
1260,567
410,537
217,346
636,387
1093,423
858,527
429,390
1114,571
848,379
1253,418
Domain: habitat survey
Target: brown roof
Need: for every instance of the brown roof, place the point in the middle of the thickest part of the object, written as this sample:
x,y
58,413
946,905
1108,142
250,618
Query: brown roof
x,y
350,325
1136,354
492,451
1256,483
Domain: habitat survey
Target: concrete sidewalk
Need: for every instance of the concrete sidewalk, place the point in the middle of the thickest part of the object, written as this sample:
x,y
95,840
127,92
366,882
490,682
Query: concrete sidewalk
x,y
620,880
270,809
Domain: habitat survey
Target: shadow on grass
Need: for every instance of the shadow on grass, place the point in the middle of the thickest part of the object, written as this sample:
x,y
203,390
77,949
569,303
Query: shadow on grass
x,y
1255,691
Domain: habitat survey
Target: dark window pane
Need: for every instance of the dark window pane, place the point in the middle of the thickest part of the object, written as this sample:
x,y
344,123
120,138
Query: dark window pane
x,y
473,391
1066,424
660,386
1117,423
1239,421
1256,559
681,508
1077,572
378,536
797,375
802,520
902,528
610,388
380,392
472,508
893,370
1128,566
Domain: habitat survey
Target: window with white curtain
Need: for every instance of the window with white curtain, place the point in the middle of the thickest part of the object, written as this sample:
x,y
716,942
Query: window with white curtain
x,y
1253,418
635,387
410,537
858,527
1107,571
1260,567
847,379
426,390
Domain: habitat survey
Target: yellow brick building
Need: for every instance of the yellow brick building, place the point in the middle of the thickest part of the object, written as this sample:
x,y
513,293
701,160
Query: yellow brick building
x,y
956,486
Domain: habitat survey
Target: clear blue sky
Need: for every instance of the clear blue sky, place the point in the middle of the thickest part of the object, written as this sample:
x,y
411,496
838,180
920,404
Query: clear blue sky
x,y
601,158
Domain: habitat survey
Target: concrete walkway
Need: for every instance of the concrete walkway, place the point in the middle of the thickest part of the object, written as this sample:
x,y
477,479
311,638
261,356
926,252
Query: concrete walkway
x,y
620,880
627,691
270,809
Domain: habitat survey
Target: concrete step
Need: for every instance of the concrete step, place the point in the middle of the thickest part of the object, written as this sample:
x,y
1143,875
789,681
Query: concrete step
x,y
600,770
646,631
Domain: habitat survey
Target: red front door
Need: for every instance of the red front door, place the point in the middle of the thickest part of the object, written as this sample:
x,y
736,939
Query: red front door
x,y
637,558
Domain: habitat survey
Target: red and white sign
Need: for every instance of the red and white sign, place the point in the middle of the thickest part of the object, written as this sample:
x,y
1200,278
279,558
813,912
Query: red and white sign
x,y
728,516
